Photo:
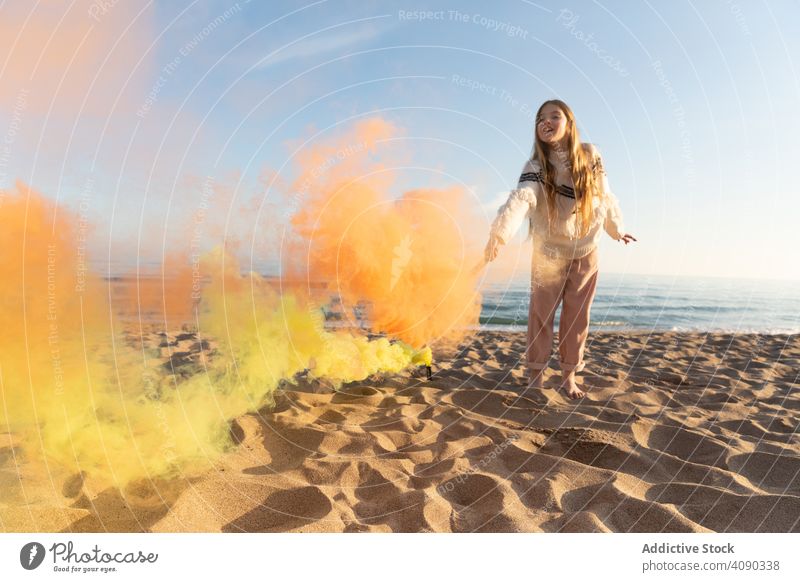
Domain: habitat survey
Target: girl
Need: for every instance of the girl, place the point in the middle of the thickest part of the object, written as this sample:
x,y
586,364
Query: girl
x,y
563,191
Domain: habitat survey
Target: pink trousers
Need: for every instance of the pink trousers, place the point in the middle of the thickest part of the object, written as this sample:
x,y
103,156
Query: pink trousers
x,y
574,282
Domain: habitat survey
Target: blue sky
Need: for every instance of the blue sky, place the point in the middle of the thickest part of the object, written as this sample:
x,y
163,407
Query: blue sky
x,y
693,105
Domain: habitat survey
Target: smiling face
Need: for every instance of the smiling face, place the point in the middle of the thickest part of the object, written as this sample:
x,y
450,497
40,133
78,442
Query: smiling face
x,y
551,124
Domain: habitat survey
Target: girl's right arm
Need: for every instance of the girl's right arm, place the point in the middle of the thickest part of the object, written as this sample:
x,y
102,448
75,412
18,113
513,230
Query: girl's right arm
x,y
520,204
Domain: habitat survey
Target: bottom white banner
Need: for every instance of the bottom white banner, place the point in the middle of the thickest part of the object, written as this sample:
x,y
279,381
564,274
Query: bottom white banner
x,y
354,557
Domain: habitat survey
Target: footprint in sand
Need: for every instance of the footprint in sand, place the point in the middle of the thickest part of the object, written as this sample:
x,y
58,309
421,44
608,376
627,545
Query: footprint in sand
x,y
284,510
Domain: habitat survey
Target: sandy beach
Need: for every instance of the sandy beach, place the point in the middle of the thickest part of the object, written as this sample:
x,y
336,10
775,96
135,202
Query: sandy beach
x,y
679,432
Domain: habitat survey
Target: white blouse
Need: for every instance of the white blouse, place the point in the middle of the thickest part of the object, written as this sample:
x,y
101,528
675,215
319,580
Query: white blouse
x,y
561,238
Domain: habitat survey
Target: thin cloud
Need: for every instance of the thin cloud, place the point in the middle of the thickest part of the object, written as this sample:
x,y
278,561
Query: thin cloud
x,y
317,44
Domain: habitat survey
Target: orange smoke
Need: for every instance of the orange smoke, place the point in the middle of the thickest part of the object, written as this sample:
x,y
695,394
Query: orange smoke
x,y
84,399
81,398
408,262
53,312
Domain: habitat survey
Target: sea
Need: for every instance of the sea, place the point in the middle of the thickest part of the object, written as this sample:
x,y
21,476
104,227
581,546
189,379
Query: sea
x,y
626,302
633,302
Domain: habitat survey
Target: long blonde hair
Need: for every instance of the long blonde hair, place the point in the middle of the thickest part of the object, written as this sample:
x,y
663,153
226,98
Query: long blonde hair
x,y
584,169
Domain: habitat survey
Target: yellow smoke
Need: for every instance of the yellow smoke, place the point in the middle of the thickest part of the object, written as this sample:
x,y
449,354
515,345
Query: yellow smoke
x,y
266,336
81,398
81,390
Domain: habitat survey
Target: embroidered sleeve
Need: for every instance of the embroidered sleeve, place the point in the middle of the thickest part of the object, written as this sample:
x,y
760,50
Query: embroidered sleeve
x,y
612,223
520,204
521,201
597,164
532,173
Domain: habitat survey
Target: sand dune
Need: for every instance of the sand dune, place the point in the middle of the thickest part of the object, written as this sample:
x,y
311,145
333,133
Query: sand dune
x,y
678,433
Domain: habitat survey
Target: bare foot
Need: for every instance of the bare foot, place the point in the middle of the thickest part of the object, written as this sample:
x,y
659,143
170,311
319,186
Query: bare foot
x,y
536,381
570,387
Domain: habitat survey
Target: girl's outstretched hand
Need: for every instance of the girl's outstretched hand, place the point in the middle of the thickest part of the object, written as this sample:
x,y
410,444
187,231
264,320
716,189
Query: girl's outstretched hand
x,y
492,248
626,238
